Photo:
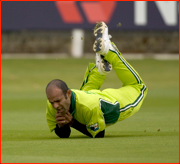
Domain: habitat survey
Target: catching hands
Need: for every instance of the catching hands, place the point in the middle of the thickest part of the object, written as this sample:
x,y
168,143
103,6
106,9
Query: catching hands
x,y
64,119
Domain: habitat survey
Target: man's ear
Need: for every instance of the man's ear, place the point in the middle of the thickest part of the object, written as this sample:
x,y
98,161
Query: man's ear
x,y
69,93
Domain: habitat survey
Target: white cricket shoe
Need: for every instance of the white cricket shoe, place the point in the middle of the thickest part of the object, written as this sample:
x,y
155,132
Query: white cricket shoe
x,y
102,43
102,65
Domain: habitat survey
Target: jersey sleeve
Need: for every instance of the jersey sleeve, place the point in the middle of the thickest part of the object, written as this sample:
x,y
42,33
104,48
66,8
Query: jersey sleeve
x,y
95,122
50,116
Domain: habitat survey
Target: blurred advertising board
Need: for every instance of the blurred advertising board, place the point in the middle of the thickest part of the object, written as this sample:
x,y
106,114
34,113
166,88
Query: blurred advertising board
x,y
61,15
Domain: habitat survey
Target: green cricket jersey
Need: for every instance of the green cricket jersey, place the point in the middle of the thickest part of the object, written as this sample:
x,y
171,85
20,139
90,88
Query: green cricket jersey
x,y
91,108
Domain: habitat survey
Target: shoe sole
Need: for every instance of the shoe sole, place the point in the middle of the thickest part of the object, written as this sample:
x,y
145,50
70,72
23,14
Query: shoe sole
x,y
105,64
98,33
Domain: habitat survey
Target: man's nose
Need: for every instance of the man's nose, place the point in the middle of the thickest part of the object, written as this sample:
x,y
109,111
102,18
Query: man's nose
x,y
55,105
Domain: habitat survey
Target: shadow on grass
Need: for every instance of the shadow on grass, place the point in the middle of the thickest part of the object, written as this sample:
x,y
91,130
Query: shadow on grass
x,y
29,136
133,134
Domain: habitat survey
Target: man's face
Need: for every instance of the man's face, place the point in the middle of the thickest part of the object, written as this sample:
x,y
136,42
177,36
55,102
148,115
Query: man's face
x,y
59,101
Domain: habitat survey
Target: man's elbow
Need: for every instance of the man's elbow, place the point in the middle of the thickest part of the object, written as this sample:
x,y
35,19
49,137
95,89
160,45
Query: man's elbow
x,y
63,132
63,136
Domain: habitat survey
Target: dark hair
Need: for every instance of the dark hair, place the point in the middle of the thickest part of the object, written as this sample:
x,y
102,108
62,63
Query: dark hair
x,y
59,84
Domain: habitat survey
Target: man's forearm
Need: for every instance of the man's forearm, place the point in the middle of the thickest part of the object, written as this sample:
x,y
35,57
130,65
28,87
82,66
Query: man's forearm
x,y
82,128
65,131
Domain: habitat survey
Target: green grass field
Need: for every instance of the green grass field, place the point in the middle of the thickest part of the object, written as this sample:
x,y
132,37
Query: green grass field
x,y
151,135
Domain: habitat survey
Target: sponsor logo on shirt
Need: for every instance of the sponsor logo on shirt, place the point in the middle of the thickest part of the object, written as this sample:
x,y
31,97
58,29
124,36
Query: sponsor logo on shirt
x,y
94,127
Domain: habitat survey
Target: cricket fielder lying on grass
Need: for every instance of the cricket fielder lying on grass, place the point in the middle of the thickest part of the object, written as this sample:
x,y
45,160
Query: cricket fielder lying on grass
x,y
90,110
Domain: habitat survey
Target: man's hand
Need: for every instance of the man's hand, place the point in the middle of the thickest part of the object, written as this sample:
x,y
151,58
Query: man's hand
x,y
64,119
69,118
60,119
